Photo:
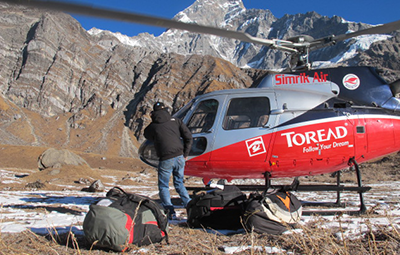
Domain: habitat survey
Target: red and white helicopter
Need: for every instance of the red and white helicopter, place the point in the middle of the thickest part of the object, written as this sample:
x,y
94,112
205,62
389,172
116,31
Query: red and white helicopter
x,y
293,124
297,123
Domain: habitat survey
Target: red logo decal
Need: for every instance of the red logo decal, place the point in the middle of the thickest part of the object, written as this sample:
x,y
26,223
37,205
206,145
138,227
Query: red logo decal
x,y
255,146
351,81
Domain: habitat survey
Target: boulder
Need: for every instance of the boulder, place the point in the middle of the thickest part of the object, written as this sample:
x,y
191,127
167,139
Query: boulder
x,y
53,158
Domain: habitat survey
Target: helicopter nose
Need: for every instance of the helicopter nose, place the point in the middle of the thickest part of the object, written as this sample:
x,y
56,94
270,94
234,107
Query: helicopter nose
x,y
147,153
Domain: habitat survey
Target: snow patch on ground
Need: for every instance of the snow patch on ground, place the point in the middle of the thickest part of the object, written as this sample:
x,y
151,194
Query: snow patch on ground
x,y
45,212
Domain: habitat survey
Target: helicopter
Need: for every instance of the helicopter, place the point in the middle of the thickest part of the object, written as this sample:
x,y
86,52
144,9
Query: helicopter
x,y
299,122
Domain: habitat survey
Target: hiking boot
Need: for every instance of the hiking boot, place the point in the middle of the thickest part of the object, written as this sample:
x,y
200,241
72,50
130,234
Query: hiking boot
x,y
170,212
172,216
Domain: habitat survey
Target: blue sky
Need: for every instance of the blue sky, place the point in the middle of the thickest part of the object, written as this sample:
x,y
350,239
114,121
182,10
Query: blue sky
x,y
367,11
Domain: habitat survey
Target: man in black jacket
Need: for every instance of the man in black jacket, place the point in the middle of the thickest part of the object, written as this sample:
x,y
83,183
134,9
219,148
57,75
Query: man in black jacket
x,y
166,132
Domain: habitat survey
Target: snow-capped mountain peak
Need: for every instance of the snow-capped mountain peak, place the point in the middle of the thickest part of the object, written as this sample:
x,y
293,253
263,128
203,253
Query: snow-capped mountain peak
x,y
233,15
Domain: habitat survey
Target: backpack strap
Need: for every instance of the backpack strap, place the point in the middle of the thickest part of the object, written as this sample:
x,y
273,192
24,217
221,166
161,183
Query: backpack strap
x,y
162,221
116,192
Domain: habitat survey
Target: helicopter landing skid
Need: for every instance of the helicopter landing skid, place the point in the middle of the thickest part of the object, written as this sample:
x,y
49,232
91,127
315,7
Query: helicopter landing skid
x,y
338,188
295,186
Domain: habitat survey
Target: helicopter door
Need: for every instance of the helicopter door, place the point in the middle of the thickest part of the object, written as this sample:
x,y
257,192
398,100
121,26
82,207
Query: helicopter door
x,y
201,125
242,136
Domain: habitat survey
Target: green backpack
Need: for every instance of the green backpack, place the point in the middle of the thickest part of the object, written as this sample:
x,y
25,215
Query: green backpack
x,y
120,219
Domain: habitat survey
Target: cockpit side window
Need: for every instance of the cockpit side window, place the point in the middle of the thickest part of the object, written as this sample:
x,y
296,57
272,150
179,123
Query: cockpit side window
x,y
203,117
247,113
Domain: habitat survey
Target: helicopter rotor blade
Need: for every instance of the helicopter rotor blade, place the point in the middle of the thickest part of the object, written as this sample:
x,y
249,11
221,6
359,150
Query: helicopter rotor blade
x,y
330,40
151,20
381,29
295,47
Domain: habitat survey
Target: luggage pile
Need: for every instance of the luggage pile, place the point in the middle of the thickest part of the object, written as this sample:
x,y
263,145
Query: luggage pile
x,y
272,212
121,218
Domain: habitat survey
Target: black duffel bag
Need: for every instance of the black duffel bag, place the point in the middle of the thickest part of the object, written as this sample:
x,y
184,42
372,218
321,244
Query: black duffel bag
x,y
217,209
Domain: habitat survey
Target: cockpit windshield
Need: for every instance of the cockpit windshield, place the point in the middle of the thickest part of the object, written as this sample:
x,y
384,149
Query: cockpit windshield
x,y
184,110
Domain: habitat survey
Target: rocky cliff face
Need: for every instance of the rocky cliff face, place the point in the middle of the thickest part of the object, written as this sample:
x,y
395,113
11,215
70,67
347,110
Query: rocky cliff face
x,y
63,87
384,55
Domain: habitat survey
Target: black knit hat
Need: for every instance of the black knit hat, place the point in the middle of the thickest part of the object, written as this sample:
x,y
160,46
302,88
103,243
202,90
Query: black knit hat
x,y
158,106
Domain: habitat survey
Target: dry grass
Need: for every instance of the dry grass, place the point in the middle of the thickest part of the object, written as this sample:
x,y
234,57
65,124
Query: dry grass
x,y
314,237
